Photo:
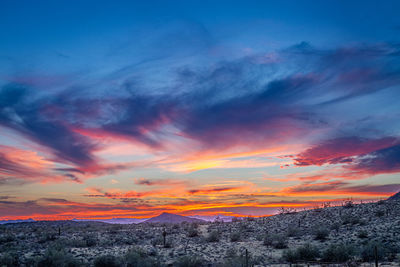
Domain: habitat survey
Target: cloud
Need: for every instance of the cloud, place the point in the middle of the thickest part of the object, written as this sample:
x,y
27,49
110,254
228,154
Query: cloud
x,y
21,166
337,187
359,157
206,191
342,150
386,160
243,105
38,121
156,182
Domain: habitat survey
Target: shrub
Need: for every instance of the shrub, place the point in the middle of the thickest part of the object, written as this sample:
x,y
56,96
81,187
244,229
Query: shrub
x,y
276,240
368,251
348,204
362,234
290,255
233,259
192,232
7,238
321,233
189,261
213,236
48,236
306,252
293,231
90,240
138,258
348,219
338,253
157,241
379,213
107,261
57,258
9,260
235,236
335,226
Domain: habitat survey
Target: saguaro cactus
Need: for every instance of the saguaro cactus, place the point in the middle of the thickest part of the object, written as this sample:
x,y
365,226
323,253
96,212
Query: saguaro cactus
x,y
247,258
164,234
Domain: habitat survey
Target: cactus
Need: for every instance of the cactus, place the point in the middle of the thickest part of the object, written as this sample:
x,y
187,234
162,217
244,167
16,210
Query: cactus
x,y
164,234
247,258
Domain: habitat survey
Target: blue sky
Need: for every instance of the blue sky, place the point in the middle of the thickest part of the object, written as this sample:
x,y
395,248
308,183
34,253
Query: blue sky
x,y
130,108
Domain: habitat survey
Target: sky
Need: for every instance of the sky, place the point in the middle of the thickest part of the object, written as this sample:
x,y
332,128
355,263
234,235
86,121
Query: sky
x,y
132,108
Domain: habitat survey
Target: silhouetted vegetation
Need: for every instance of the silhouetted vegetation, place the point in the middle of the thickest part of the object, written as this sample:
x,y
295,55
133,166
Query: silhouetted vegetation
x,y
350,236
306,252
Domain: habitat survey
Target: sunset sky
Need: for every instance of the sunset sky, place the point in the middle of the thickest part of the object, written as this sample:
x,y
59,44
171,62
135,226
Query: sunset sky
x,y
132,108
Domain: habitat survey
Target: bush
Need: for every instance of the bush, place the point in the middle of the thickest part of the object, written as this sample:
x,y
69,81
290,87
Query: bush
x,y
293,231
348,204
192,232
48,236
348,219
362,234
335,226
90,240
157,241
9,260
387,250
276,240
290,255
235,236
321,233
233,259
213,236
306,252
338,253
138,258
57,258
379,213
189,261
7,238
368,251
107,261
380,202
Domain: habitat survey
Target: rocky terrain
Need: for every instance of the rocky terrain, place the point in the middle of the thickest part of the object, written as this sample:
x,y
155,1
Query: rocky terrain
x,y
347,235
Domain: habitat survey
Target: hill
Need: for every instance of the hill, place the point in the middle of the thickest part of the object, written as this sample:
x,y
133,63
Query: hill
x,y
171,218
394,197
113,220
344,235
16,221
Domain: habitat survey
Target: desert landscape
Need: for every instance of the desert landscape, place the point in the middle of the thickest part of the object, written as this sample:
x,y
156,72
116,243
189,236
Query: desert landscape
x,y
347,235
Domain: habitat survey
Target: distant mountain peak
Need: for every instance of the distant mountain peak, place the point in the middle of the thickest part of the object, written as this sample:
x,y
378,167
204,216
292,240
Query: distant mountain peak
x,y
166,217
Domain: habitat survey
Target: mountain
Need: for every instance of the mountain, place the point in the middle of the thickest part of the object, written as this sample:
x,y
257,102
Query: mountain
x,y
171,218
213,218
16,221
394,197
113,220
